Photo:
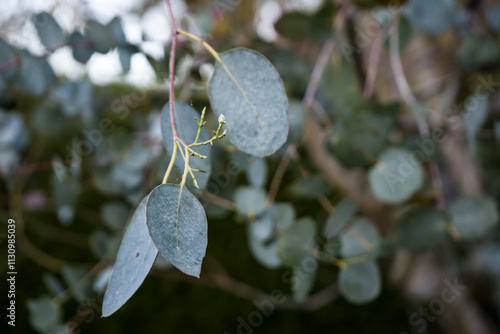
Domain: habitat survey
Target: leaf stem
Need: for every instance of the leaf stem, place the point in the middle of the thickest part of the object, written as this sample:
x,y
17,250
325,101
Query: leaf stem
x,y
171,163
172,68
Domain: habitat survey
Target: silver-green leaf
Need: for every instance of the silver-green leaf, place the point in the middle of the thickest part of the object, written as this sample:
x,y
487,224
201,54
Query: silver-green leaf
x,y
135,258
396,176
253,101
360,283
178,226
473,217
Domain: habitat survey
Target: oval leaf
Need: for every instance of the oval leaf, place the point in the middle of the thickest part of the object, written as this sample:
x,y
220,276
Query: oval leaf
x,y
253,101
135,258
395,177
344,212
360,283
178,226
49,31
474,217
296,242
360,238
250,201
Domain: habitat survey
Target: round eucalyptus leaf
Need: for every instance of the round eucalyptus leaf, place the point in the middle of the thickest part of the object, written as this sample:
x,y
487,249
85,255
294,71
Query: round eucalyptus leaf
x,y
361,238
360,283
178,226
396,176
262,233
474,217
297,242
344,212
422,228
253,101
187,128
256,172
49,31
250,201
134,260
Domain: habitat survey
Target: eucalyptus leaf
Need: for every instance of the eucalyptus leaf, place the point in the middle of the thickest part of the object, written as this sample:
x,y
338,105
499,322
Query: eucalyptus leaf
x,y
360,283
250,201
360,238
396,176
422,228
262,233
253,101
344,212
297,242
311,187
135,258
303,278
45,314
7,57
474,217
256,172
49,31
82,48
187,128
178,226
35,75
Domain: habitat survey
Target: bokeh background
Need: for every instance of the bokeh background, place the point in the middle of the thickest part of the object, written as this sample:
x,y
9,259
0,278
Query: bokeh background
x,y
71,182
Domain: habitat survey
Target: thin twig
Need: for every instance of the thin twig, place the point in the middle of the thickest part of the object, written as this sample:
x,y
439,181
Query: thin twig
x,y
407,96
373,62
278,175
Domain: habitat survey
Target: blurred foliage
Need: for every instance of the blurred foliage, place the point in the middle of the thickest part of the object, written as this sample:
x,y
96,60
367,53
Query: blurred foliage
x,y
77,158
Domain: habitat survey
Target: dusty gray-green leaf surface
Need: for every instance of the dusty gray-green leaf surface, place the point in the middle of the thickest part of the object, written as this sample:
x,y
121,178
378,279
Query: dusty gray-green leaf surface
x,y
135,258
473,217
257,111
361,238
49,31
297,242
187,128
178,227
360,283
344,212
396,176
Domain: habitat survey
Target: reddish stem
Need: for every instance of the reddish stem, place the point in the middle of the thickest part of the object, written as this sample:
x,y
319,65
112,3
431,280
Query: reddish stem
x,y
172,66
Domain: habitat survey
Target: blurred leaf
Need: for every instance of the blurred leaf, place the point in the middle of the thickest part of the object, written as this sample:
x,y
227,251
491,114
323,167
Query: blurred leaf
x,y
7,57
474,217
54,285
178,226
311,27
45,315
257,111
344,212
187,128
360,283
35,75
360,238
422,228
256,172
135,258
250,201
431,16
479,52
73,278
297,242
82,47
49,31
303,278
262,233
394,179
311,187
476,111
